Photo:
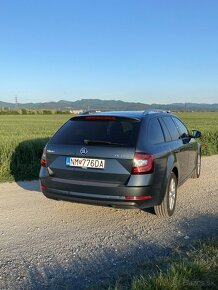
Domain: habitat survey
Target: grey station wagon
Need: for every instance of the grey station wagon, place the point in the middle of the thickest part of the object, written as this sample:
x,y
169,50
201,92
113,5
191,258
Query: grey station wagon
x,y
124,159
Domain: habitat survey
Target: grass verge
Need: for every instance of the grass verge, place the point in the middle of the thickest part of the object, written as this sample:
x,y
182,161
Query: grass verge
x,y
194,269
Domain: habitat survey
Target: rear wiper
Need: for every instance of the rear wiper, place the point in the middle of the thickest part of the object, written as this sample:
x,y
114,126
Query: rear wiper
x,y
93,142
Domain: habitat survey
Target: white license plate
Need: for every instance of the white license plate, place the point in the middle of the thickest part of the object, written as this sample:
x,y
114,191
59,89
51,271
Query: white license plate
x,y
85,162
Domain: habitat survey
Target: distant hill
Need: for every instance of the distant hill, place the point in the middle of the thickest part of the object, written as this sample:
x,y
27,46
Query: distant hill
x,y
97,104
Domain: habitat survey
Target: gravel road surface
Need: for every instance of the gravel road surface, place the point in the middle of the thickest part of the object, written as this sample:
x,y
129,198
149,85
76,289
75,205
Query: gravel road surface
x,y
46,244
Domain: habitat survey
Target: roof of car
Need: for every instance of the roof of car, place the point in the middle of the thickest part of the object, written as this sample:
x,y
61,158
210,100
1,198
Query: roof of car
x,y
130,114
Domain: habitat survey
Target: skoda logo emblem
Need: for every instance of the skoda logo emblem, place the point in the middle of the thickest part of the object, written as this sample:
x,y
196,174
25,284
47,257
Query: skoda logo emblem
x,y
83,151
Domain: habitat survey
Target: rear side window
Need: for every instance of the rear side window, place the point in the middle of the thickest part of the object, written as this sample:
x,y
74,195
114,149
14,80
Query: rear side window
x,y
122,131
165,130
181,127
155,133
174,133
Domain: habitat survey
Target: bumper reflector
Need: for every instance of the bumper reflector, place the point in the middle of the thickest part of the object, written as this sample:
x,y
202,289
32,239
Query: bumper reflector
x,y
43,187
142,197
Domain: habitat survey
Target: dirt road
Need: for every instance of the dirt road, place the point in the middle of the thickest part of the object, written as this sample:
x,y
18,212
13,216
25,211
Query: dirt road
x,y
54,244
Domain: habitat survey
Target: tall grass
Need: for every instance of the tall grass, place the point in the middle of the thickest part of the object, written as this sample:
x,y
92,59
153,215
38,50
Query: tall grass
x,y
207,123
22,138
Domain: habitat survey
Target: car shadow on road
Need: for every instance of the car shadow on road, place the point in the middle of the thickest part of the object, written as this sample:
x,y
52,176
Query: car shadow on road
x,y
103,267
33,185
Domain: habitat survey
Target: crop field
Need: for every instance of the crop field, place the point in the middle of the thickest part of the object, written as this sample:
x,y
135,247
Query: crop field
x,y
22,138
207,123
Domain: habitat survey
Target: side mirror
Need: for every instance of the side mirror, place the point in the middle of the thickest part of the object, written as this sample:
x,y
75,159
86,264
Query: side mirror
x,y
196,134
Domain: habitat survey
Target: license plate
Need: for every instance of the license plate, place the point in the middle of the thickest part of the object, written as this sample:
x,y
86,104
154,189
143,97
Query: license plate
x,y
85,162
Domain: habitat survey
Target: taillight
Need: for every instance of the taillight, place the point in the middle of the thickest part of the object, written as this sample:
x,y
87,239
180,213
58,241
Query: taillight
x,y
43,159
143,163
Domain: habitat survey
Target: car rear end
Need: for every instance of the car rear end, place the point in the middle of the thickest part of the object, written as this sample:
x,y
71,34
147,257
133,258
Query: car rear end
x,y
94,159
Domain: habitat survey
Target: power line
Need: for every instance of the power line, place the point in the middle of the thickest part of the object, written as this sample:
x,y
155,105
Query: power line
x,y
16,102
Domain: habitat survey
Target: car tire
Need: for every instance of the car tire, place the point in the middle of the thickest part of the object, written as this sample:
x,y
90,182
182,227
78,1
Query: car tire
x,y
167,207
197,171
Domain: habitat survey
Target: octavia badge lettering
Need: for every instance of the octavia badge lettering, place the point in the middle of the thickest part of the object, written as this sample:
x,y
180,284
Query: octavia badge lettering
x,y
83,151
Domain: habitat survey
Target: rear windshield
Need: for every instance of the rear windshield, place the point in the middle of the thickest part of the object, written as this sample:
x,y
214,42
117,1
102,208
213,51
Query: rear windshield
x,y
107,132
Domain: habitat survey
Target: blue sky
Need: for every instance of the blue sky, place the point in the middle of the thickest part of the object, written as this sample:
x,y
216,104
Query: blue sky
x,y
157,51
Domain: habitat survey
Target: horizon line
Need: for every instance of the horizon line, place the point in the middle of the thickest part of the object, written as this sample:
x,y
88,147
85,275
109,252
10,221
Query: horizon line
x,y
62,100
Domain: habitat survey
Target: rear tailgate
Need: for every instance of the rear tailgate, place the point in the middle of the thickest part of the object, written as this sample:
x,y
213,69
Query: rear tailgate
x,y
117,163
111,140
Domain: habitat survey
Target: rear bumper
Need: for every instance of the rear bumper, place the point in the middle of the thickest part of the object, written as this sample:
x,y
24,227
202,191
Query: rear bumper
x,y
98,193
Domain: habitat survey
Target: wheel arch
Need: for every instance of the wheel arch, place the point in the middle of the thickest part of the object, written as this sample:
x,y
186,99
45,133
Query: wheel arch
x,y
172,166
176,172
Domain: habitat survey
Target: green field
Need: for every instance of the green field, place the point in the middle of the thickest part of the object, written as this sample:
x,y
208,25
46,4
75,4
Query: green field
x,y
22,138
207,123
203,121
